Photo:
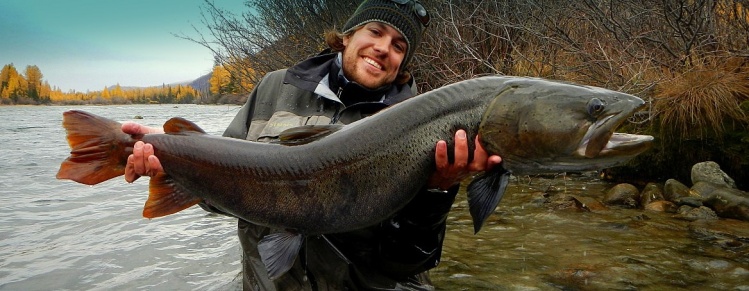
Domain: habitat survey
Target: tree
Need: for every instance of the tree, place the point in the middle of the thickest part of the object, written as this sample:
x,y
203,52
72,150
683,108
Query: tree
x,y
220,80
34,79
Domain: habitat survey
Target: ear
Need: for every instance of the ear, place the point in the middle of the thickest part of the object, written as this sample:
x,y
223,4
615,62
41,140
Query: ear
x,y
346,39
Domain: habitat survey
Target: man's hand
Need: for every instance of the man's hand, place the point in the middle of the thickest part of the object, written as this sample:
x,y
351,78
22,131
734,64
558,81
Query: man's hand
x,y
447,175
141,162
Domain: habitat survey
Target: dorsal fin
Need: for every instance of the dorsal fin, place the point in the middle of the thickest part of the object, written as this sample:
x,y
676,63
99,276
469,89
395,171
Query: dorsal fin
x,y
306,134
178,125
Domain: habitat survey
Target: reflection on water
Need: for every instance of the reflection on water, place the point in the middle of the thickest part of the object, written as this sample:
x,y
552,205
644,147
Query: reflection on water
x,y
59,235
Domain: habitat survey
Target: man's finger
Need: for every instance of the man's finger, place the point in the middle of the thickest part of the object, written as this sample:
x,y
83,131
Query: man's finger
x,y
461,150
440,155
154,165
130,175
480,156
139,166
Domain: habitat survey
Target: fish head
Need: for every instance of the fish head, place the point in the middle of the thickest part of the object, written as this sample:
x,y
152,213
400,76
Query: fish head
x,y
542,126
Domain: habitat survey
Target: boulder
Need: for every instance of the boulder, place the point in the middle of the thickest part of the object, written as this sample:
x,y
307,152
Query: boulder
x,y
729,203
704,189
651,193
710,172
674,189
694,214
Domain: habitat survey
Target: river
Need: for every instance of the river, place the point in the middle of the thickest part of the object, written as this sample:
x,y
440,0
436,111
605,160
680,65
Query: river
x,y
60,235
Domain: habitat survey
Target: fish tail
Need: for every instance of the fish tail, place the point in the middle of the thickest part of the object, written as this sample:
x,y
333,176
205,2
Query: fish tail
x,y
165,197
98,148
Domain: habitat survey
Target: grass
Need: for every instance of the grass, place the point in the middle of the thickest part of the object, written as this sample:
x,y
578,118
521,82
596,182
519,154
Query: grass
x,y
699,102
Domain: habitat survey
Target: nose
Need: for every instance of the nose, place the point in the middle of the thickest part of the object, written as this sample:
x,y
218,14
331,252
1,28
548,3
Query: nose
x,y
382,45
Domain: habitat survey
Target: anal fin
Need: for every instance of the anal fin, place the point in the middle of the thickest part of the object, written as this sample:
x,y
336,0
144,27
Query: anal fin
x,y
164,197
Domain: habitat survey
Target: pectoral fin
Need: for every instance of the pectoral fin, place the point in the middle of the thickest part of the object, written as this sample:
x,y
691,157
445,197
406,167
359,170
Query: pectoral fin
x,y
485,192
278,251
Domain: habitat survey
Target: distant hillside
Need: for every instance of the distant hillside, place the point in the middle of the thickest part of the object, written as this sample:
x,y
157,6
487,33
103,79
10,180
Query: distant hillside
x,y
201,84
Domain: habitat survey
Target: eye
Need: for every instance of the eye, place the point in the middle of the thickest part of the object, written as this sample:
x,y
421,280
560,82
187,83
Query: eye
x,y
400,47
596,106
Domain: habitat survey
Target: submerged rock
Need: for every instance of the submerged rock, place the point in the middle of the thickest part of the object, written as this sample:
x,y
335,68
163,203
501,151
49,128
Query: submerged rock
x,y
625,195
727,233
699,213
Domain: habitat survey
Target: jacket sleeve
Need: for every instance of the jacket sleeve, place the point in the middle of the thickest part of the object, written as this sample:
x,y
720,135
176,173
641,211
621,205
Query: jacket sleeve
x,y
410,242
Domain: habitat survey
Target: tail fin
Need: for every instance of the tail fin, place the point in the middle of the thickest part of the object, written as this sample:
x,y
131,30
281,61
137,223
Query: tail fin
x,y
99,148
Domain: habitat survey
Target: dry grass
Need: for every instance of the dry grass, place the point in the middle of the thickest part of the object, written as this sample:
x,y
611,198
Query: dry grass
x,y
700,101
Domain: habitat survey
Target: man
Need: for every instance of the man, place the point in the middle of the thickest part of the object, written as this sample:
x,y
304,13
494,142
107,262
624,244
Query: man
x,y
365,71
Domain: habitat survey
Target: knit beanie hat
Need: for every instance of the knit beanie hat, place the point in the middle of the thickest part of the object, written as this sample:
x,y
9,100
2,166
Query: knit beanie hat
x,y
407,16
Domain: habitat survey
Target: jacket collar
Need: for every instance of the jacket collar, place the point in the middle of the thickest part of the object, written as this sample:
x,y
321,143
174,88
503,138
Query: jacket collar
x,y
314,75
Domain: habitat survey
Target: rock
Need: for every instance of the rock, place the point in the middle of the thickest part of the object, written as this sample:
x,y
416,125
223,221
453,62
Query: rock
x,y
704,189
689,200
729,203
710,172
727,233
539,198
137,117
674,189
625,195
662,206
684,209
587,203
694,214
652,192
562,202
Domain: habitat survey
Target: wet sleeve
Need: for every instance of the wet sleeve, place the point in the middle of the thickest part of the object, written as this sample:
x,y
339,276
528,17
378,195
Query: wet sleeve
x,y
410,242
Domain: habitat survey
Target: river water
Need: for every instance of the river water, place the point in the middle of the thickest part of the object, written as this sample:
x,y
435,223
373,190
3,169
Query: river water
x,y
60,235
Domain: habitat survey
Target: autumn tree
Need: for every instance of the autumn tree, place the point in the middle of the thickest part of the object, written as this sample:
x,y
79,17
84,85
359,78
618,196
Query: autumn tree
x,y
34,81
220,80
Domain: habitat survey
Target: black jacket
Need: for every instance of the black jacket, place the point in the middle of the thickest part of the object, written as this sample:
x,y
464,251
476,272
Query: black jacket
x,y
393,254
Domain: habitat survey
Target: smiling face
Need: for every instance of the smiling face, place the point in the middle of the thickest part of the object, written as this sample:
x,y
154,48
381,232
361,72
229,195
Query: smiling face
x,y
373,55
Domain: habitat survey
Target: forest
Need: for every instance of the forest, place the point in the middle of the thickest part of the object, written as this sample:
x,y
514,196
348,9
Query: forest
x,y
29,88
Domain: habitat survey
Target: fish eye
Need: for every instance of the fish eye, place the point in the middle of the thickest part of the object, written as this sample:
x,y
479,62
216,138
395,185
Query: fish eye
x,y
596,106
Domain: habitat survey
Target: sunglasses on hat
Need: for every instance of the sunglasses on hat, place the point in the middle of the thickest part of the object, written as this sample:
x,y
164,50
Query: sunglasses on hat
x,y
418,9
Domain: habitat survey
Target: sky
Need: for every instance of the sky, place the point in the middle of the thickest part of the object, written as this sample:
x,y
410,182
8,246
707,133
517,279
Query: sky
x,y
86,45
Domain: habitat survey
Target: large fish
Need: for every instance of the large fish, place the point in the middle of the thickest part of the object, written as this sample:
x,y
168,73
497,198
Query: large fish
x,y
327,179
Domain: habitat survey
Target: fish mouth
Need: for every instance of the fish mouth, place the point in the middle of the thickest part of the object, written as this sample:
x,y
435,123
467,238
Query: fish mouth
x,y
601,140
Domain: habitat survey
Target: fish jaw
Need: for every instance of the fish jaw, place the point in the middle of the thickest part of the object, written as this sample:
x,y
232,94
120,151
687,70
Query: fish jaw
x,y
601,140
